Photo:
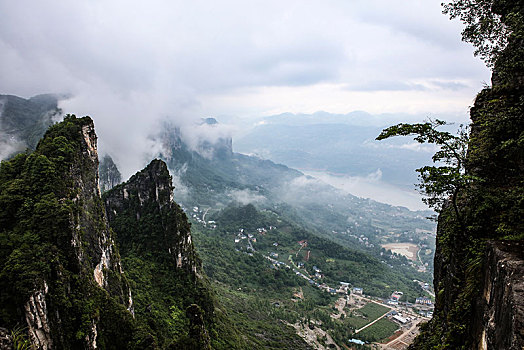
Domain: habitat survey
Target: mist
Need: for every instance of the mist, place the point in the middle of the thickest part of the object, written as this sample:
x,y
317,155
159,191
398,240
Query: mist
x,y
131,66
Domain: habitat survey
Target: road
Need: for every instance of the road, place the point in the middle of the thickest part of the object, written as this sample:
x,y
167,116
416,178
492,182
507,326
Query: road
x,y
204,216
403,335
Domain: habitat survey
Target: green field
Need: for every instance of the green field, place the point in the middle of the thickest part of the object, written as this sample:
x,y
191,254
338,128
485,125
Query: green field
x,y
380,330
370,312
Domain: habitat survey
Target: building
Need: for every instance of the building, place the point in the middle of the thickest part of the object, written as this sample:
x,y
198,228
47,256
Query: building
x,y
396,295
423,301
400,319
358,291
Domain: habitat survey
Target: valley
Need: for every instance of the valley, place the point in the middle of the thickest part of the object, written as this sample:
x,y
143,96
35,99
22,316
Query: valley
x,y
321,289
291,261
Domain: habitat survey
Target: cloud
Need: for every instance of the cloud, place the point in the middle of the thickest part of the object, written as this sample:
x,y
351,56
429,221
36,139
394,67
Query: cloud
x,y
371,186
393,85
246,196
130,65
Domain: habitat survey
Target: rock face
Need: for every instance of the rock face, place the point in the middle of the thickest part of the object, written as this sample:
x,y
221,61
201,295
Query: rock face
x,y
148,195
479,275
500,321
154,238
61,272
109,174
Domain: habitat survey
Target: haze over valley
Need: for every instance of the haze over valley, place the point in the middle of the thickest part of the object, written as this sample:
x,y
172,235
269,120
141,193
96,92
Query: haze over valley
x,y
243,175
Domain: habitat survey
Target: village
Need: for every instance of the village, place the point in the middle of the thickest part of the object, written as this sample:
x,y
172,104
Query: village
x,y
351,298
405,314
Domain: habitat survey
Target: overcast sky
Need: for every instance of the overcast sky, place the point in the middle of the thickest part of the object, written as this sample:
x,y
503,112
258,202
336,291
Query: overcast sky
x,y
129,63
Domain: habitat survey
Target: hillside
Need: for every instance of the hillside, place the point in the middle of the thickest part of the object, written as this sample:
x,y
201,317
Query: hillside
x,y
219,177
24,121
268,271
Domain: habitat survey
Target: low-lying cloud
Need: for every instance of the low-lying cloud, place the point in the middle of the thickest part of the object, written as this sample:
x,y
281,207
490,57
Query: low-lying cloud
x,y
372,186
131,65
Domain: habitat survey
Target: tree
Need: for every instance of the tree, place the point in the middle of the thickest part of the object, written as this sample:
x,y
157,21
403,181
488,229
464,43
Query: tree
x,y
444,180
489,24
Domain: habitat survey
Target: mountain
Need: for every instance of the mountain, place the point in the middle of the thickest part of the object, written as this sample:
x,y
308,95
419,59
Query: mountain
x,y
24,121
222,176
61,273
219,176
109,174
337,149
173,302
479,262
277,278
64,260
154,237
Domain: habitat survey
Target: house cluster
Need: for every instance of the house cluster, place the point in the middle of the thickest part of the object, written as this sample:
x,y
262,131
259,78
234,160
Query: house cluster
x,y
199,216
318,273
426,313
362,239
399,318
241,235
394,298
423,300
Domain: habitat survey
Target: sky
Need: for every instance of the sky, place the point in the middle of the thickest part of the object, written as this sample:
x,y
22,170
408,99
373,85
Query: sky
x,y
130,64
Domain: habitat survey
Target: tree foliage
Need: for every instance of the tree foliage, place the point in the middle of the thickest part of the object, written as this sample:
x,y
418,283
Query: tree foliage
x,y
489,24
444,179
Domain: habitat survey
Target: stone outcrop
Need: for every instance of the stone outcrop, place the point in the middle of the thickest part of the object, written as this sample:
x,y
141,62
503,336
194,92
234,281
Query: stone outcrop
x,y
37,320
499,322
72,282
109,174
149,194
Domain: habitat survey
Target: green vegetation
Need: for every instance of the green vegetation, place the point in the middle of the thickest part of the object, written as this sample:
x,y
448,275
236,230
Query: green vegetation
x,y
169,298
484,28
336,262
373,311
43,209
491,204
357,319
446,179
261,296
54,233
379,331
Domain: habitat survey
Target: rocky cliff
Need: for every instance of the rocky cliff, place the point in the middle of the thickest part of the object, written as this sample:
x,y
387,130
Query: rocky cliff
x,y
478,262
61,274
109,174
154,238
62,280
158,225
499,320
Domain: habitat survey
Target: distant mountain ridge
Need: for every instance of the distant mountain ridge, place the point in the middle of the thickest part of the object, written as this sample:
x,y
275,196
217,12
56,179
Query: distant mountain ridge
x,y
24,121
227,176
332,146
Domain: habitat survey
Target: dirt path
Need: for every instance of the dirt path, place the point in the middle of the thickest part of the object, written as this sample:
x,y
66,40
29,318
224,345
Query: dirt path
x,y
369,324
390,345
